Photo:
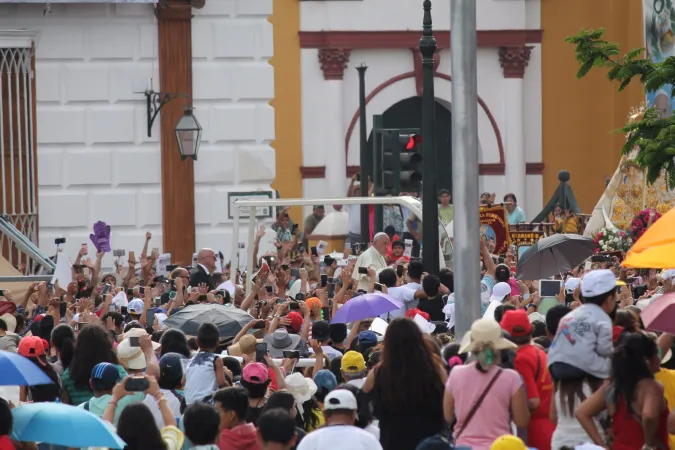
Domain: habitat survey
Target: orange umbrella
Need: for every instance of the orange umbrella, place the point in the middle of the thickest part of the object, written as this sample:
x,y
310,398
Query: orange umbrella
x,y
656,248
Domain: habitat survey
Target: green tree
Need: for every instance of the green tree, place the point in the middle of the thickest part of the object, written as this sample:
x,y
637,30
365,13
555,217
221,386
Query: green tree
x,y
649,132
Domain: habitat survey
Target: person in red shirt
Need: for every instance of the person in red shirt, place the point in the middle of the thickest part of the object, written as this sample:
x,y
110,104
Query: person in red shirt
x,y
531,363
395,253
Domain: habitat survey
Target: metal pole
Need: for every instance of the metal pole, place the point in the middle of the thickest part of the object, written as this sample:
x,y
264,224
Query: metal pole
x,y
378,178
430,162
365,217
465,164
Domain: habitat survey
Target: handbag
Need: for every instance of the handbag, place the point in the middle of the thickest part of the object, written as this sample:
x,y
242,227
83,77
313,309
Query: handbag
x,y
474,408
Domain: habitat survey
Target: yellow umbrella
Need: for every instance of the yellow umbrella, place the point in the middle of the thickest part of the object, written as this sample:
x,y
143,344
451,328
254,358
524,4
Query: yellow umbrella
x,y
661,257
656,248
658,234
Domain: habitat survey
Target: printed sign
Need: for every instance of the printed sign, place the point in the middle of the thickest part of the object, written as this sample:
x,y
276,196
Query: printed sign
x,y
659,20
495,229
163,261
261,212
524,240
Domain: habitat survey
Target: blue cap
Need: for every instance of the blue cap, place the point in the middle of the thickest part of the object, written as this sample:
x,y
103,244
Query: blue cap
x,y
171,369
367,338
325,379
104,376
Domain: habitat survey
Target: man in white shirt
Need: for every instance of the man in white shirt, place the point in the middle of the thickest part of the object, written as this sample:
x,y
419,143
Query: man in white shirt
x,y
339,433
500,294
404,294
372,258
353,368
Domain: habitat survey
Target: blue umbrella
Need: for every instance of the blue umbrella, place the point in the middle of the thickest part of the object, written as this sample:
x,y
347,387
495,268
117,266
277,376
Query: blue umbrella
x,y
366,306
19,371
61,424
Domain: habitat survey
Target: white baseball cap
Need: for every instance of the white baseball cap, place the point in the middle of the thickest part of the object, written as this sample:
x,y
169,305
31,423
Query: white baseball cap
x,y
340,399
500,291
571,284
668,274
597,282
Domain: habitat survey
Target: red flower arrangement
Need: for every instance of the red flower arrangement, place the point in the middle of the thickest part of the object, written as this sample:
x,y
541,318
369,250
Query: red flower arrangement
x,y
639,224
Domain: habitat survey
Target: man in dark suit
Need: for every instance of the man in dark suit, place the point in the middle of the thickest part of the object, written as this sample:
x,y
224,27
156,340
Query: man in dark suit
x,y
206,265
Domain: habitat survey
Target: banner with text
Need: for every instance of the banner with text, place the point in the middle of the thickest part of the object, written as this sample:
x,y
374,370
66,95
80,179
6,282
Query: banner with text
x,y
659,19
523,240
495,229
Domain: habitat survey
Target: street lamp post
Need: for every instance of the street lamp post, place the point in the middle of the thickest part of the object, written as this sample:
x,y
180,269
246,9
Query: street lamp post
x,y
363,158
465,164
430,162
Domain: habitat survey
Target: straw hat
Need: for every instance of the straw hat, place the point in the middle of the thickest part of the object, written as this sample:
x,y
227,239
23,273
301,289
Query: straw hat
x,y
10,320
485,331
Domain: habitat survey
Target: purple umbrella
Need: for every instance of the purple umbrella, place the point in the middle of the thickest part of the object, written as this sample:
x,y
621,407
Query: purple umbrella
x,y
366,306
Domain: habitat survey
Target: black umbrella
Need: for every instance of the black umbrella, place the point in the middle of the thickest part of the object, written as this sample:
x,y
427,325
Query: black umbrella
x,y
228,320
553,255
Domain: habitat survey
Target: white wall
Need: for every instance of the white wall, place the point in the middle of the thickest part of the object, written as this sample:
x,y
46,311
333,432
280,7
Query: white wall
x,y
233,82
95,161
407,15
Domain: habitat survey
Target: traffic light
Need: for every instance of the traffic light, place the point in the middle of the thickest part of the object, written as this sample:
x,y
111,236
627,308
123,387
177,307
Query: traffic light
x,y
401,162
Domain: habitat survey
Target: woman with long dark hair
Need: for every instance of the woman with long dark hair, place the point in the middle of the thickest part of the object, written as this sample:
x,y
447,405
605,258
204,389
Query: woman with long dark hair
x,y
406,387
136,425
93,345
634,399
174,341
568,394
63,344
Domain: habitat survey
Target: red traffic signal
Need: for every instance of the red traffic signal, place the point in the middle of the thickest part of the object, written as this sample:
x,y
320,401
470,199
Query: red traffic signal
x,y
413,141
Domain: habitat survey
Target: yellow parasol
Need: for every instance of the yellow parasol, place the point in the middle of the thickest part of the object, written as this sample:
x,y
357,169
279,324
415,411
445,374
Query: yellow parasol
x,y
656,248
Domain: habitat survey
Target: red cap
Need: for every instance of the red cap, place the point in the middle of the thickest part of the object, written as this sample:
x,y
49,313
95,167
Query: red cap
x,y
296,321
411,313
38,318
31,346
7,308
516,323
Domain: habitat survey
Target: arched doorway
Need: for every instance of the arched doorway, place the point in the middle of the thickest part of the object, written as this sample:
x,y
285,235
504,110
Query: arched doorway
x,y
407,113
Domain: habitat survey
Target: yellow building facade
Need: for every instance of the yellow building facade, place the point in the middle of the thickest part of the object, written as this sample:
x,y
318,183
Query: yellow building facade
x,y
578,116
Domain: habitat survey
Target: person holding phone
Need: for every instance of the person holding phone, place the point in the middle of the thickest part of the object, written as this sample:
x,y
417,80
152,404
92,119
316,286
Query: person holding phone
x,y
372,258
137,416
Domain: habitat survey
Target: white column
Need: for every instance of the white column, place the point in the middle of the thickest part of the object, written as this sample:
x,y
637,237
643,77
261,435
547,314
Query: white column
x,y
514,61
334,138
514,138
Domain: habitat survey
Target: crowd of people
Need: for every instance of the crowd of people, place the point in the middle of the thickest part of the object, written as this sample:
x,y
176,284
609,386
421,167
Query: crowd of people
x,y
535,371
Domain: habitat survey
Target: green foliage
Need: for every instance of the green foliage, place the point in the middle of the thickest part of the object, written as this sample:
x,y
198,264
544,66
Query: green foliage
x,y
652,135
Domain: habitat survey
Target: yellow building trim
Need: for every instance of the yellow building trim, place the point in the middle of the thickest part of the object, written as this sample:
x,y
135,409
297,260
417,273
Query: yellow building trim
x,y
579,116
287,101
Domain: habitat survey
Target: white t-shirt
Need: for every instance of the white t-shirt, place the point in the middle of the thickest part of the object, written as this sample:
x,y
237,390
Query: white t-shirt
x,y
568,432
354,212
404,295
339,437
359,382
172,402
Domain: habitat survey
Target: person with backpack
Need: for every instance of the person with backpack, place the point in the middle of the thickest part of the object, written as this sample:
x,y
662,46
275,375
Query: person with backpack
x,y
104,377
